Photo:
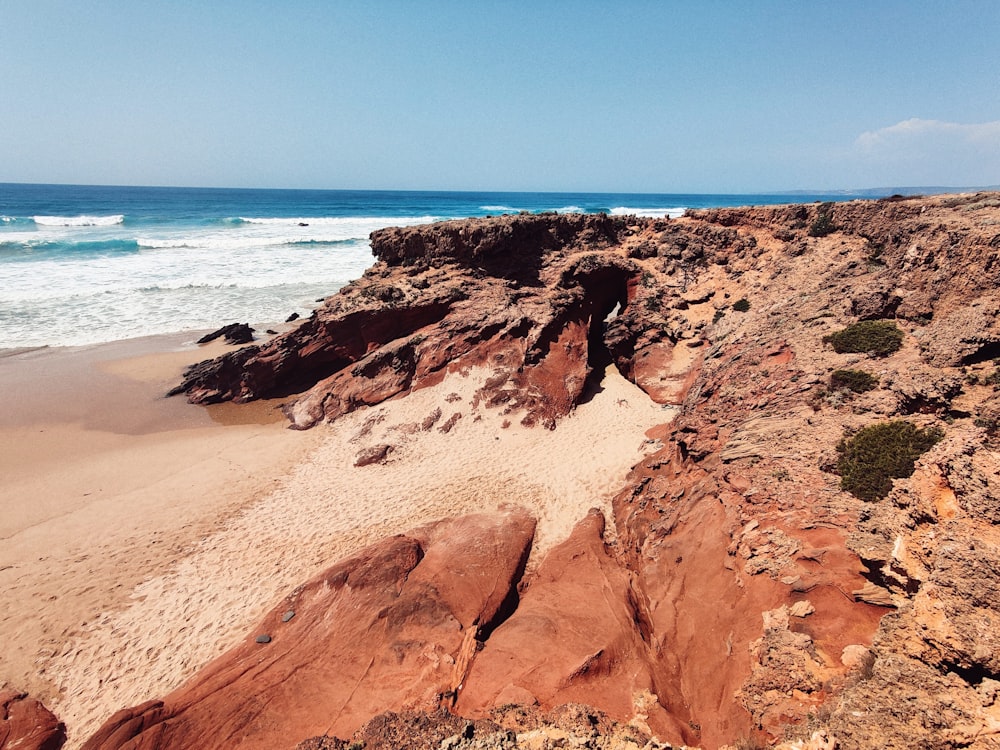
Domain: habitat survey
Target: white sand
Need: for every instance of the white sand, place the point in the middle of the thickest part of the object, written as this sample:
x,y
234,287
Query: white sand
x,y
298,517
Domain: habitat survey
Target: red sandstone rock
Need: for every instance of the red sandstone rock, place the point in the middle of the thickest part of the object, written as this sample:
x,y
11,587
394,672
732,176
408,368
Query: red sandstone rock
x,y
25,724
581,634
526,294
384,628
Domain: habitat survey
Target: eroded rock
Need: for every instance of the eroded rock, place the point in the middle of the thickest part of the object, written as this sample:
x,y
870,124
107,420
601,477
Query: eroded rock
x,y
25,724
386,627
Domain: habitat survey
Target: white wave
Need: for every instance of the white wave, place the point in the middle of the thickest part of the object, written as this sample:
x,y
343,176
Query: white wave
x,y
239,242
121,314
94,298
508,209
308,221
252,233
80,221
673,212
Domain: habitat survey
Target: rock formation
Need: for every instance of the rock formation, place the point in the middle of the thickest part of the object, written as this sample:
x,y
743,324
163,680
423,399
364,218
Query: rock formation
x,y
393,626
528,295
745,597
25,724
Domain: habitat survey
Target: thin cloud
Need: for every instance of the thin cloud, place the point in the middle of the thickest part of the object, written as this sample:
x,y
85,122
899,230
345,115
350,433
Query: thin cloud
x,y
914,129
930,152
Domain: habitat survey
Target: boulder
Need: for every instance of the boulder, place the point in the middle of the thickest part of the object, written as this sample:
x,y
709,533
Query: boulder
x,y
388,626
25,724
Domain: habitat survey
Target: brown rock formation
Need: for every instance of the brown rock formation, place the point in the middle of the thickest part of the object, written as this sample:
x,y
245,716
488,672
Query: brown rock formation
x,y
25,724
528,294
507,728
386,628
580,635
745,594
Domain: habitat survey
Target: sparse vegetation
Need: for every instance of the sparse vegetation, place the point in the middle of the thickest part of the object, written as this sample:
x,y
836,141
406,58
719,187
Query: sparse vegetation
x,y
874,257
875,455
741,305
989,423
858,381
823,225
878,337
749,743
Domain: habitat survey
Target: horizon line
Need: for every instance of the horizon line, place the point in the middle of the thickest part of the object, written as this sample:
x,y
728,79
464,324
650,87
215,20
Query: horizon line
x,y
866,191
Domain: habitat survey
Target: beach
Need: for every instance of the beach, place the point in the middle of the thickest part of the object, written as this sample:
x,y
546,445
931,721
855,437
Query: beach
x,y
142,536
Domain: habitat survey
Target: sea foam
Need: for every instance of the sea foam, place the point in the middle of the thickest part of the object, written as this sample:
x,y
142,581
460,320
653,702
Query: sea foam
x,y
246,233
650,213
80,221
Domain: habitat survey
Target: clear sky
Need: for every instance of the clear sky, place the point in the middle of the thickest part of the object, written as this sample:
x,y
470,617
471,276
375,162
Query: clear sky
x,y
616,95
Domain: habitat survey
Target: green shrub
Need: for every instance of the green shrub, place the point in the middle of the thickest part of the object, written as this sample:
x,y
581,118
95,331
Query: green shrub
x,y
858,381
879,337
875,455
823,225
989,423
741,305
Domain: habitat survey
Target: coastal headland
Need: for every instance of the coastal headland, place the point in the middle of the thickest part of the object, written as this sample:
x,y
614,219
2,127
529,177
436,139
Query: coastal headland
x,y
554,478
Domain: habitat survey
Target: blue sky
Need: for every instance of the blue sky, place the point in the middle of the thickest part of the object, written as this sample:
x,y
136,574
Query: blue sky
x,y
595,96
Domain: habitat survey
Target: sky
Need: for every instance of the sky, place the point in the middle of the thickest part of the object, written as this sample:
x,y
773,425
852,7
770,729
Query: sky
x,y
610,96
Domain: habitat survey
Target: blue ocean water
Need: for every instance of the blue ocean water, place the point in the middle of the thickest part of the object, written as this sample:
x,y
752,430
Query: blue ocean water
x,y
87,264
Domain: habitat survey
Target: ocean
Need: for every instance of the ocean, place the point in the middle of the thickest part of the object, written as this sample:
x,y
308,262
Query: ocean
x,y
88,264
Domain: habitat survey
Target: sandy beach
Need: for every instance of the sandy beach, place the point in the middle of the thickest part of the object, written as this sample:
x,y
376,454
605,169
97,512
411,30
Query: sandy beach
x,y
141,535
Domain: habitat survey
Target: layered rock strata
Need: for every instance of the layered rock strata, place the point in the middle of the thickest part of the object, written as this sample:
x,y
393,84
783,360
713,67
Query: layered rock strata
x,y
529,296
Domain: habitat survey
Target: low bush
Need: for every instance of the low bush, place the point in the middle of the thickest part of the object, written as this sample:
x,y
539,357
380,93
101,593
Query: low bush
x,y
858,381
878,337
875,455
823,225
741,305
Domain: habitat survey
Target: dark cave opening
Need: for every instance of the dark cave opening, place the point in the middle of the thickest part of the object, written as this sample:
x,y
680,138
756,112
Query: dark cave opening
x,y
606,294
985,353
974,674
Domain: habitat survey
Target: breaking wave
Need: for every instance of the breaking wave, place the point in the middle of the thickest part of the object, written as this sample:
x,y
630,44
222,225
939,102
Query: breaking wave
x,y
337,221
673,212
80,221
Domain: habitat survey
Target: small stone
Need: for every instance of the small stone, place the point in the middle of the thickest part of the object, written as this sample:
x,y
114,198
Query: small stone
x,y
288,615
263,638
376,454
854,655
803,608
234,333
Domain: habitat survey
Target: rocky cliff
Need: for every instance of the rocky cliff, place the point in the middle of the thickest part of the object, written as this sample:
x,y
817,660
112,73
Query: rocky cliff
x,y
745,598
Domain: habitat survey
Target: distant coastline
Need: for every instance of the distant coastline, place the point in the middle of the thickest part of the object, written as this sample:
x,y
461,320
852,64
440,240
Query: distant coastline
x,y
882,192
